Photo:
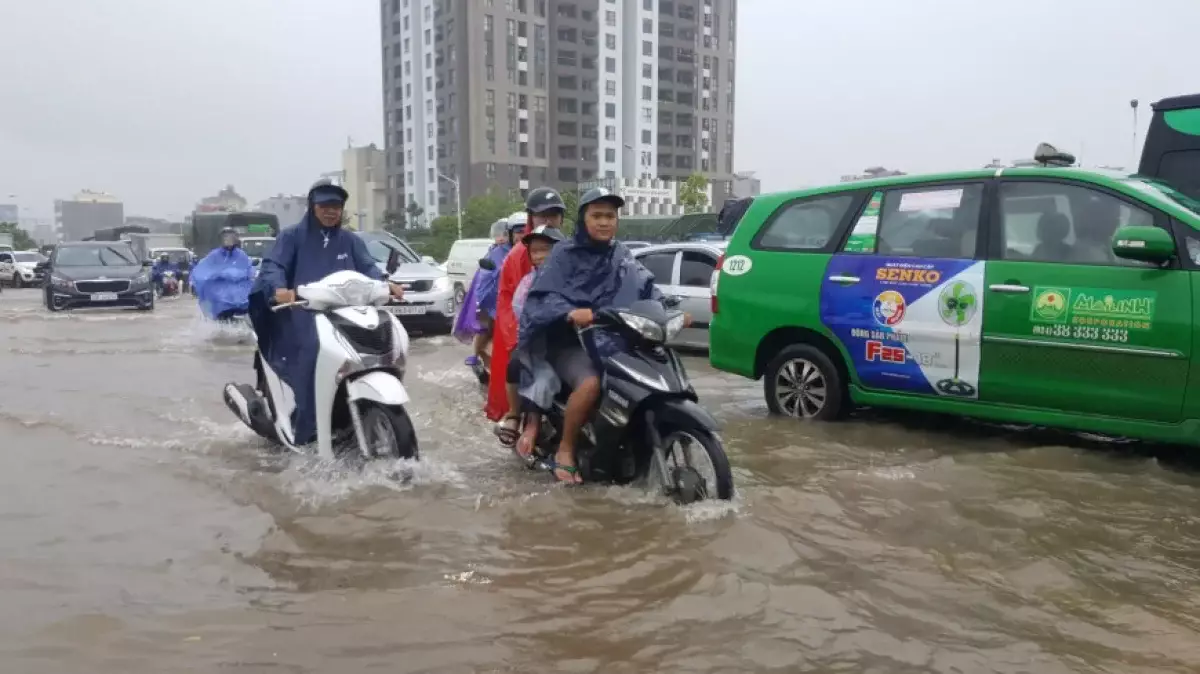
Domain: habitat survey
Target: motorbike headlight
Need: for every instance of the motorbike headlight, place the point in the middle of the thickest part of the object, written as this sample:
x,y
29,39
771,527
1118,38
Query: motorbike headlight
x,y
441,284
674,326
647,328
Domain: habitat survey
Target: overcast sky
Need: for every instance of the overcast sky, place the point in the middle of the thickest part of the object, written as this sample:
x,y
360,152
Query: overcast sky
x,y
165,101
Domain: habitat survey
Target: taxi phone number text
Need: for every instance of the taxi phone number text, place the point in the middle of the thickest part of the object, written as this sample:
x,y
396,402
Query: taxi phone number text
x,y
1082,332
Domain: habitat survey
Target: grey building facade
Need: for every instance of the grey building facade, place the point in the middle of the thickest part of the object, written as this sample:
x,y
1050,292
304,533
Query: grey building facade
x,y
505,95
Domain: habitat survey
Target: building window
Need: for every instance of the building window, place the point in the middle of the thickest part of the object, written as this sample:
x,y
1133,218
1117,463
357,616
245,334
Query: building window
x,y
610,155
648,26
610,110
647,93
610,18
647,48
610,41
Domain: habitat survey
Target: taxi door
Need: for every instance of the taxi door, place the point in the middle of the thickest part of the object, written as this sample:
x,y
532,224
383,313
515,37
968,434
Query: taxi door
x,y
1070,326
903,294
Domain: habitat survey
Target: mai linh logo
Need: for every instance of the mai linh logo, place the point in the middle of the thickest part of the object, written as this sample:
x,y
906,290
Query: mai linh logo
x,y
1050,304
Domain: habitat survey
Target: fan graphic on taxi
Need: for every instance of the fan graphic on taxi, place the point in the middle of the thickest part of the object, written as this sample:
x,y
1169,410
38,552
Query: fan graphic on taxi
x,y
889,308
956,306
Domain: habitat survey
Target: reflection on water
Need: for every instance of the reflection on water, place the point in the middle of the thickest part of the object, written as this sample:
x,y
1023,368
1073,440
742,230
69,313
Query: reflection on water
x,y
145,530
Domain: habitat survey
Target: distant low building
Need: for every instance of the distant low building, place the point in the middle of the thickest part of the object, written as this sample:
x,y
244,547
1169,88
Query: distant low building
x,y
226,200
871,174
288,208
647,196
364,176
10,213
78,218
744,184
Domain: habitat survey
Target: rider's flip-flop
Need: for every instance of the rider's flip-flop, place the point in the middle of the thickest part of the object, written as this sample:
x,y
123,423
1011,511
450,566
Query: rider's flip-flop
x,y
573,471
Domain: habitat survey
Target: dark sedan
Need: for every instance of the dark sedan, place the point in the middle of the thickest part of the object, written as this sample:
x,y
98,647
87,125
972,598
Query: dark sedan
x,y
97,274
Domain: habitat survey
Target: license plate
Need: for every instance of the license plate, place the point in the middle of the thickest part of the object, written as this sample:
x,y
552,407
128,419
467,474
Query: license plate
x,y
104,297
406,309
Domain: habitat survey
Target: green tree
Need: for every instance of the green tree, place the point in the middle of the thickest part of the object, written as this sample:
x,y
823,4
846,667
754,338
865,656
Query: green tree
x,y
571,199
481,211
21,238
394,223
692,194
414,212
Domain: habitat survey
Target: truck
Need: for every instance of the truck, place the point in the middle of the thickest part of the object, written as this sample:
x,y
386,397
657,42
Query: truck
x,y
257,232
144,244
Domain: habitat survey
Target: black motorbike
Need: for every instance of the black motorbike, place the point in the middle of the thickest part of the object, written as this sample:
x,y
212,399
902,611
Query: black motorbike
x,y
647,427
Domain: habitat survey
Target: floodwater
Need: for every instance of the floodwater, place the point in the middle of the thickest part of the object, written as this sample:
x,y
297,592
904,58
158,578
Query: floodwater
x,y
143,530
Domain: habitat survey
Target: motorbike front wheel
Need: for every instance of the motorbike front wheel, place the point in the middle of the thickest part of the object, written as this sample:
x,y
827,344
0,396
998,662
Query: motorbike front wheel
x,y
389,432
688,480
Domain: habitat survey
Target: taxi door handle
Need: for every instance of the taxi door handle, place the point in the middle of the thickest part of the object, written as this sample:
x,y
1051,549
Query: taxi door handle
x,y
844,279
1010,288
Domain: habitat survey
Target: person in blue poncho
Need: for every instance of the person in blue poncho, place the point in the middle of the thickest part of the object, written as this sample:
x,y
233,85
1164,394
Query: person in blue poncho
x,y
304,253
592,271
222,279
162,266
478,312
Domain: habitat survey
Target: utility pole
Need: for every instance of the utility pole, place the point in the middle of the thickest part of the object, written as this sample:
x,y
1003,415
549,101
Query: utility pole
x,y
457,198
1133,155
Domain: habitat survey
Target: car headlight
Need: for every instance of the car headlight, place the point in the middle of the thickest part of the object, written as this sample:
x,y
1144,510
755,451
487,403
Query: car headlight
x,y
442,283
60,281
647,328
143,277
674,326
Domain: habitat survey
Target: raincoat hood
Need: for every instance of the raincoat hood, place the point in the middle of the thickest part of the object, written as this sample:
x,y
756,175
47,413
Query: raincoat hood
x,y
222,281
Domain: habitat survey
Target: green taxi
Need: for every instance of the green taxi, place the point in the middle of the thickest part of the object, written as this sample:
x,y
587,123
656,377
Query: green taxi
x,y
1045,295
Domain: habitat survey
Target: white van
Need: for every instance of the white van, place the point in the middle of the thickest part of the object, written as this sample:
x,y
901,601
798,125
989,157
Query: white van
x,y
463,262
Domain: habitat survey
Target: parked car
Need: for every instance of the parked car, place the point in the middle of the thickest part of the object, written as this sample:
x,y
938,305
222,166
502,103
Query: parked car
x,y
463,262
1043,295
429,304
20,268
685,270
97,274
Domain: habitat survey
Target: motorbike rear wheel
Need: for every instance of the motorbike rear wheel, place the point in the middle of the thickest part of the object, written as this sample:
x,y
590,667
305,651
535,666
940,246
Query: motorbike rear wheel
x,y
687,483
389,431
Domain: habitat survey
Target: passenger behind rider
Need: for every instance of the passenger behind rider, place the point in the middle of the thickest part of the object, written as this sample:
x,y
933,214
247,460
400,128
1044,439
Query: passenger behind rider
x,y
544,207
503,232
304,253
162,266
582,276
538,243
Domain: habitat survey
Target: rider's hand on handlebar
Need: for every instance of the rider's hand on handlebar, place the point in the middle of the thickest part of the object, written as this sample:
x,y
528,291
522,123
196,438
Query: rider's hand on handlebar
x,y
285,296
581,318
396,289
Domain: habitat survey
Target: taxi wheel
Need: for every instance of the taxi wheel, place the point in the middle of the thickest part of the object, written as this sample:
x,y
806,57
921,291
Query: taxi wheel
x,y
802,382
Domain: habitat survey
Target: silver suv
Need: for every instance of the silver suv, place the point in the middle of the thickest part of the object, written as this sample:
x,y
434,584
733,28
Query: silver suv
x,y
429,304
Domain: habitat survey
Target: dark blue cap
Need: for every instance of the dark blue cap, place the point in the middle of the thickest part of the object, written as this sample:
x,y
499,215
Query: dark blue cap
x,y
328,194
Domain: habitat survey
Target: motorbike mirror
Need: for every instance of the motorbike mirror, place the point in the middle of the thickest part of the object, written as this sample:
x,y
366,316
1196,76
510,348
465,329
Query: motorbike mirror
x,y
393,262
147,263
671,301
487,264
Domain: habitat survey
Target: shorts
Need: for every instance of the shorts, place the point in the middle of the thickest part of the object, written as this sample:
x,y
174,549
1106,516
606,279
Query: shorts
x,y
572,363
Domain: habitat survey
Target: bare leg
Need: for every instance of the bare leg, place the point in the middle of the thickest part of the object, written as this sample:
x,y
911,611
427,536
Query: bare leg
x,y
579,406
481,350
514,404
529,434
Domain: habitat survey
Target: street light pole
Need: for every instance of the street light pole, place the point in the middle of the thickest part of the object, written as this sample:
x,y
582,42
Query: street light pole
x,y
457,198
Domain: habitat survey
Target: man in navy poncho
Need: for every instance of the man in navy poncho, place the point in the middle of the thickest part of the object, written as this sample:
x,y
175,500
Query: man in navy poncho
x,y
304,253
591,272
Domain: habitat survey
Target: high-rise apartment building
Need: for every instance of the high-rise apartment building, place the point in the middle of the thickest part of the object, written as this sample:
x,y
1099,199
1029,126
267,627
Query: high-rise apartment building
x,y
512,94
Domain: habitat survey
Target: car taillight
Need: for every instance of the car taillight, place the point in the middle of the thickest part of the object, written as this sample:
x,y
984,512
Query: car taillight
x,y
712,284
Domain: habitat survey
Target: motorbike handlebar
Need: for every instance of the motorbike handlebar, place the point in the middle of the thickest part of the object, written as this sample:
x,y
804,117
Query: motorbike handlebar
x,y
289,305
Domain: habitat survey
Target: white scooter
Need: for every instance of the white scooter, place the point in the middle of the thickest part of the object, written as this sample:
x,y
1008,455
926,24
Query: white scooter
x,y
359,389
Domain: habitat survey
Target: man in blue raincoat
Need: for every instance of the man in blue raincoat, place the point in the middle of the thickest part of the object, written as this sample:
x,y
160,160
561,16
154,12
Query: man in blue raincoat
x,y
161,266
222,279
304,253
591,272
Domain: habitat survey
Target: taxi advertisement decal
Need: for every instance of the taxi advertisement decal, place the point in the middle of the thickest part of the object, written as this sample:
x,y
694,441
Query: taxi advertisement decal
x,y
1091,314
908,324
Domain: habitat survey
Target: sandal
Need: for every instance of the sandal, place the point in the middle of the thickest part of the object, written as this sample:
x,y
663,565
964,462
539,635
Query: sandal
x,y
508,430
571,471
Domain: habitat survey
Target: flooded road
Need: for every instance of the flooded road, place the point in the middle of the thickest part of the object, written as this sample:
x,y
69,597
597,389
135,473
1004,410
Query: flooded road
x,y
144,530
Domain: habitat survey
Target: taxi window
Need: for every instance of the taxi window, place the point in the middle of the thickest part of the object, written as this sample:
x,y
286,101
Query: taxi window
x,y
939,222
807,225
661,265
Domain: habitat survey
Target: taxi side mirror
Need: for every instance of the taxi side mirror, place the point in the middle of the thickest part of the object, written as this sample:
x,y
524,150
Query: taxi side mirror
x,y
1144,244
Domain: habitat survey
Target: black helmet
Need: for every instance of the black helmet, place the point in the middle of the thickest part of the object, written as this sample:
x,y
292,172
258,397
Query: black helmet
x,y
544,199
229,231
327,185
598,194
552,234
